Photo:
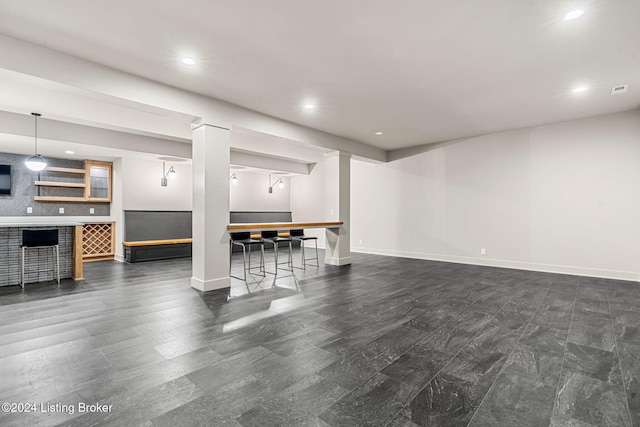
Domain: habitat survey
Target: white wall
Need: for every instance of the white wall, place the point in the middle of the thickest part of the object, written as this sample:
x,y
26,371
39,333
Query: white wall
x,y
142,189
561,197
308,200
251,193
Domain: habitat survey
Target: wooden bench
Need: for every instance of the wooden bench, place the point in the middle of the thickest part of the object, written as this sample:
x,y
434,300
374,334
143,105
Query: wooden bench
x,y
157,242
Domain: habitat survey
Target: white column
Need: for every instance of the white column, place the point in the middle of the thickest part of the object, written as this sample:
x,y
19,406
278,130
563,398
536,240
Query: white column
x,y
338,207
210,208
117,205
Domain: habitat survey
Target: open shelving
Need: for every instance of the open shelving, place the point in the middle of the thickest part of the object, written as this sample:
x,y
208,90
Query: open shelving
x,y
96,183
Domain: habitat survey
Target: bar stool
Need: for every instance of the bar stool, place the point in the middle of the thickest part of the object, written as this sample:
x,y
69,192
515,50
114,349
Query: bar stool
x,y
299,236
243,239
271,236
43,238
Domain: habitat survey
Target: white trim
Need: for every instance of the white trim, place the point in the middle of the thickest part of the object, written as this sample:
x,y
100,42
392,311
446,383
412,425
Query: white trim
x,y
337,153
517,265
195,126
118,257
337,261
210,285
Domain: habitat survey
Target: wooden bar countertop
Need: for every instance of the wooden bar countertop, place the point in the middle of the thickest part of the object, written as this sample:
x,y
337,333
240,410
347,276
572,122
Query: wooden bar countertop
x,y
259,226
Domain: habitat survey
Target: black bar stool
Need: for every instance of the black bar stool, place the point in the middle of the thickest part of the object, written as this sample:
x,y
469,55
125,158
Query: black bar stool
x,y
42,238
244,240
299,236
271,236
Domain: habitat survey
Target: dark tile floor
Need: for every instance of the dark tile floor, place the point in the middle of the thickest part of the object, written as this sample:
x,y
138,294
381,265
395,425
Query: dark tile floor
x,y
386,341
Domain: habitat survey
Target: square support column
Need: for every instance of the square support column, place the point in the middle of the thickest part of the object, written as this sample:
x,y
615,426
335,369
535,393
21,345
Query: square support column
x,y
210,208
338,207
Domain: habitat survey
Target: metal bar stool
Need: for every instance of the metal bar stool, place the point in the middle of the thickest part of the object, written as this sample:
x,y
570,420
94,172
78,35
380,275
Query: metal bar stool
x,y
244,240
299,236
43,238
271,236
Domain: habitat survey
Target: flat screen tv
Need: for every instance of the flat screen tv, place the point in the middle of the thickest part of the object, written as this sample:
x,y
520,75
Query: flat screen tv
x,y
5,179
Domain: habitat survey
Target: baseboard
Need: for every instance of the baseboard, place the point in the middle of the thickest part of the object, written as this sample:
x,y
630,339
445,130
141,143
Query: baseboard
x,y
118,257
517,265
210,285
337,261
99,258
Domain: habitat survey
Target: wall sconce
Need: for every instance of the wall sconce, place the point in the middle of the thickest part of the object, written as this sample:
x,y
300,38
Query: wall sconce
x,y
36,162
279,182
171,173
234,179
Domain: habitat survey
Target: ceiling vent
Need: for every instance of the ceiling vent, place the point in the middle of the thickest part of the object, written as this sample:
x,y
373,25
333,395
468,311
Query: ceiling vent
x,y
619,89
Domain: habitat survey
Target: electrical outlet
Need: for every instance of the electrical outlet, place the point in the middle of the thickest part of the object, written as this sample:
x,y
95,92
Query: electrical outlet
x,y
332,212
483,251
360,242
92,211
29,209
61,210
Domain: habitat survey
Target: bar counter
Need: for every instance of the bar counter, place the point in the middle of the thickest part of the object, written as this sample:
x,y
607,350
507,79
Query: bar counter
x,y
262,226
70,244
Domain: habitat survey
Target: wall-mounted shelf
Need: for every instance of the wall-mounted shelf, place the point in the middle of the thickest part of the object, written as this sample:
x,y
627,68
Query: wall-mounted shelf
x,y
67,170
61,184
59,199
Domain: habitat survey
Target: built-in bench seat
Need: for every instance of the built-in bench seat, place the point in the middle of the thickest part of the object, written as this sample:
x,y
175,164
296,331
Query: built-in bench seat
x,y
157,242
154,235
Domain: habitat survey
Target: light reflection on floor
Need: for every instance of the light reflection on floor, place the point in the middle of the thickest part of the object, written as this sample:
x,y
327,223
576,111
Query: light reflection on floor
x,y
287,278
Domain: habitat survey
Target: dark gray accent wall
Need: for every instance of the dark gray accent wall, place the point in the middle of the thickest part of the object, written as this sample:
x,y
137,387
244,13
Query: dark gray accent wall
x,y
23,190
237,217
156,225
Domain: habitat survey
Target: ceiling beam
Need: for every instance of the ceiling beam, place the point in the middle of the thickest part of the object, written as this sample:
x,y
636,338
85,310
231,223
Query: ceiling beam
x,y
37,61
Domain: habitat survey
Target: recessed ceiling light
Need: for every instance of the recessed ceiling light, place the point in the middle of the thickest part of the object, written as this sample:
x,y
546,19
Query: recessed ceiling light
x,y
309,106
378,133
580,89
69,151
188,61
619,89
574,14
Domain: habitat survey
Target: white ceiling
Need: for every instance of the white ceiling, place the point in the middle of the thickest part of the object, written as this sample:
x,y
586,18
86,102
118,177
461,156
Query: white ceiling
x,y
419,71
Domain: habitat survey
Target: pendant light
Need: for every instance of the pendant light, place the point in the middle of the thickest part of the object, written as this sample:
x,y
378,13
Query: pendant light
x,y
36,162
